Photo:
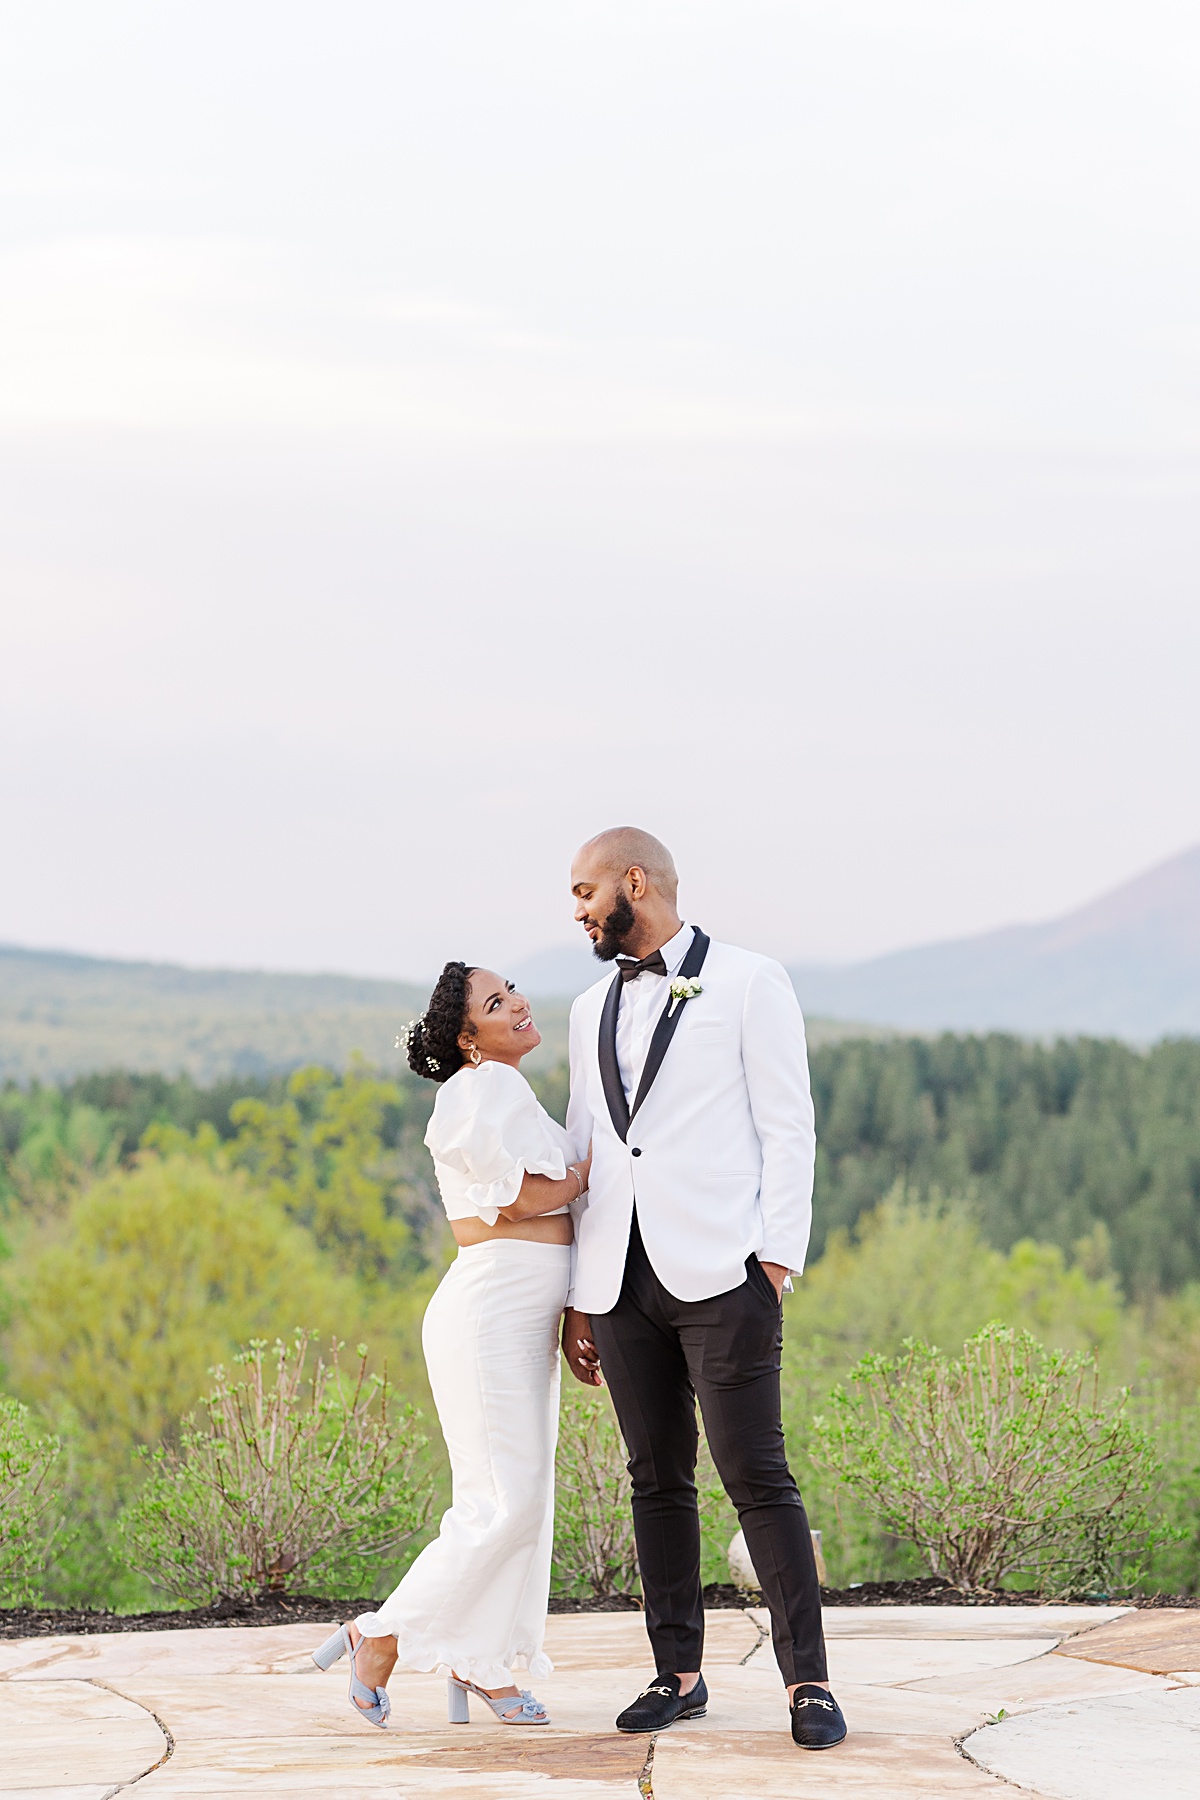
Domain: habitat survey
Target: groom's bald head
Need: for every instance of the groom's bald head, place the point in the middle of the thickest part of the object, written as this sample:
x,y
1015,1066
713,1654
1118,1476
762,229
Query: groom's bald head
x,y
624,883
624,848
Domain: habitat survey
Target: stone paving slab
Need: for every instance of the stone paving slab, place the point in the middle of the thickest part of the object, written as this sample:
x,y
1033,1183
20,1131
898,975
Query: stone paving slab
x,y
445,1766
1043,1681
868,1766
212,1707
250,1715
95,1792
874,1661
987,1622
618,1640
114,1656
1142,1746
43,1725
1160,1641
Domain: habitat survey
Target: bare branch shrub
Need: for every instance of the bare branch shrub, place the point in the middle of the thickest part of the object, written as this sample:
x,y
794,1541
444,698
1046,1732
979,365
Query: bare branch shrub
x,y
1003,1461
594,1548
594,1551
292,1476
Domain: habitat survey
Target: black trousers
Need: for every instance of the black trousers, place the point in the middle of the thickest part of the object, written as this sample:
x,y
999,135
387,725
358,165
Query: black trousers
x,y
659,1355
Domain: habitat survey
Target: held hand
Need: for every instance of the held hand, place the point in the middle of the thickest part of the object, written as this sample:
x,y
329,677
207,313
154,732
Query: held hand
x,y
776,1274
579,1349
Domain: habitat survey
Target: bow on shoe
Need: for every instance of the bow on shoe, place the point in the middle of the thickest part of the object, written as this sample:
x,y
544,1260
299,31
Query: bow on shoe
x,y
530,1708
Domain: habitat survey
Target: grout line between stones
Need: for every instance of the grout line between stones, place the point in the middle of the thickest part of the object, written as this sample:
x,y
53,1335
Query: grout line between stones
x,y
960,1744
759,1642
168,1736
645,1782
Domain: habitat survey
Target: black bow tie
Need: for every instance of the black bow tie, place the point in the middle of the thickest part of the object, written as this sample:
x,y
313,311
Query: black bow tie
x,y
653,964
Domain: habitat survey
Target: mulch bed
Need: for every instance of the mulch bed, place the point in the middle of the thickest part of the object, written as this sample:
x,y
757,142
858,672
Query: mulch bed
x,y
269,1609
930,1590
304,1609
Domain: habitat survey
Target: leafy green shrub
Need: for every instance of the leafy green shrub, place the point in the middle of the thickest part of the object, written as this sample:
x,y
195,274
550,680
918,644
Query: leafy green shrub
x,y
290,1478
1001,1462
922,1269
28,1516
1174,1566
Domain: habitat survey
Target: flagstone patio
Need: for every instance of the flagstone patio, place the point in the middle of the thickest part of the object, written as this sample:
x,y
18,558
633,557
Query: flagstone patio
x,y
1098,1704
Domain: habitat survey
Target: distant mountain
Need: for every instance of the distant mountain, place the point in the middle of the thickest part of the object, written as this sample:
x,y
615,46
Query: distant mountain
x,y
1127,965
63,1015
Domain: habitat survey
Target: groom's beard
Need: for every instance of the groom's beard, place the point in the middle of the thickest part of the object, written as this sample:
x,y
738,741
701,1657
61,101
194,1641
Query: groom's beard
x,y
615,929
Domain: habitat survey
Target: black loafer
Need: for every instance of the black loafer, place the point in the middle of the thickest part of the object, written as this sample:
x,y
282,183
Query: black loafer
x,y
662,1704
817,1722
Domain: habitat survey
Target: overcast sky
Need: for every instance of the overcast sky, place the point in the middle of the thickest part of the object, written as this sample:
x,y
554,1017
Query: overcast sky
x,y
431,433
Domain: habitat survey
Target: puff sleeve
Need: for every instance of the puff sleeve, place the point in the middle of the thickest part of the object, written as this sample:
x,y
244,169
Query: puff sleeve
x,y
488,1127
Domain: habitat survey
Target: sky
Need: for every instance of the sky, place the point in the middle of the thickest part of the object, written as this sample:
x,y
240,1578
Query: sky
x,y
429,435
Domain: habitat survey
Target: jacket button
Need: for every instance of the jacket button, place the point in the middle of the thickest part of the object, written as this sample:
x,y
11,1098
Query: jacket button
x,y
635,1153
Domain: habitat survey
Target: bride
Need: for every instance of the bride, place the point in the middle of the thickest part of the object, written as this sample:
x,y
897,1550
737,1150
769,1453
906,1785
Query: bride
x,y
474,1601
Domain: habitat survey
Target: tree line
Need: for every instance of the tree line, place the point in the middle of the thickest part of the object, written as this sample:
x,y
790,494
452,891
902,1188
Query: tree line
x,y
1054,1142
1045,1141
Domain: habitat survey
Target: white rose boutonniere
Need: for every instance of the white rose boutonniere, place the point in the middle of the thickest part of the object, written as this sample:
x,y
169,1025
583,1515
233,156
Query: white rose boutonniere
x,y
683,989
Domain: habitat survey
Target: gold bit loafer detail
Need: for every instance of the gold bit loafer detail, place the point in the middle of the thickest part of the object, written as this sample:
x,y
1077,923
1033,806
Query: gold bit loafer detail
x,y
817,1721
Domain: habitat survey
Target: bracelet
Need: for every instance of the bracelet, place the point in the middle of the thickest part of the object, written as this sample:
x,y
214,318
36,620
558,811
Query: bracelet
x,y
579,1179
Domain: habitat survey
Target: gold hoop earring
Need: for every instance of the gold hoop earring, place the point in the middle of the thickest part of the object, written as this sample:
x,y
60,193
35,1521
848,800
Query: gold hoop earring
x,y
476,1059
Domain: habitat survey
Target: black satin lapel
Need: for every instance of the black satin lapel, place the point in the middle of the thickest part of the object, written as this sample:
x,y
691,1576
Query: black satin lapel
x,y
664,1031
610,1073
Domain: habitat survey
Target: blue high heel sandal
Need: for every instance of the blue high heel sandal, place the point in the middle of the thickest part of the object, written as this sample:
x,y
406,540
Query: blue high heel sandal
x,y
379,1710
529,1711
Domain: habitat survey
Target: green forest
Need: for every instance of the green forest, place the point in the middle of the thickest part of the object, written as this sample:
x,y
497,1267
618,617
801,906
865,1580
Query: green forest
x,y
152,1225
1046,1142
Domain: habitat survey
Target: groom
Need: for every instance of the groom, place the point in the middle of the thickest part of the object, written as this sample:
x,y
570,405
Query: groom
x,y
689,1076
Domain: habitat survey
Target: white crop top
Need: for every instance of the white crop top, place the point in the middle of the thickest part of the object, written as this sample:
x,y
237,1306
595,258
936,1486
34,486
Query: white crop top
x,y
486,1134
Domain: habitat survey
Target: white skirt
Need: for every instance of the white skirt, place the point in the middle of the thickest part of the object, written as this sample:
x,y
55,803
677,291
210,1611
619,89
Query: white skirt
x,y
474,1600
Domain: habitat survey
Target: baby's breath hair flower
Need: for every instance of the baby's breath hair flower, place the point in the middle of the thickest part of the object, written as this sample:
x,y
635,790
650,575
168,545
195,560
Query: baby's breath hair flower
x,y
432,1042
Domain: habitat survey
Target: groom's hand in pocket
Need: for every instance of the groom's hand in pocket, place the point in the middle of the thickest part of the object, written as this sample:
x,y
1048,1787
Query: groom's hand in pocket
x,y
776,1274
579,1349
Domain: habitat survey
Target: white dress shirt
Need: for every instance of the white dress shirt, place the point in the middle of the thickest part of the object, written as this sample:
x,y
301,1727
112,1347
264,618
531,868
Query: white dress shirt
x,y
642,1002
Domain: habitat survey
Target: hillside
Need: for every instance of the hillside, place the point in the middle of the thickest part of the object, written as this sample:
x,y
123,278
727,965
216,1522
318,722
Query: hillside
x,y
63,1015
1127,965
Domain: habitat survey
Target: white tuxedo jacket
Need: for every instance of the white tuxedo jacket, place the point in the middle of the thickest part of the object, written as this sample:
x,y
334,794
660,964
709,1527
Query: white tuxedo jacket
x,y
720,1148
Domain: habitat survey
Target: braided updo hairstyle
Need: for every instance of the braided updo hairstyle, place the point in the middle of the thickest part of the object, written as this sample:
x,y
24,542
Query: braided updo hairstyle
x,y
433,1048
